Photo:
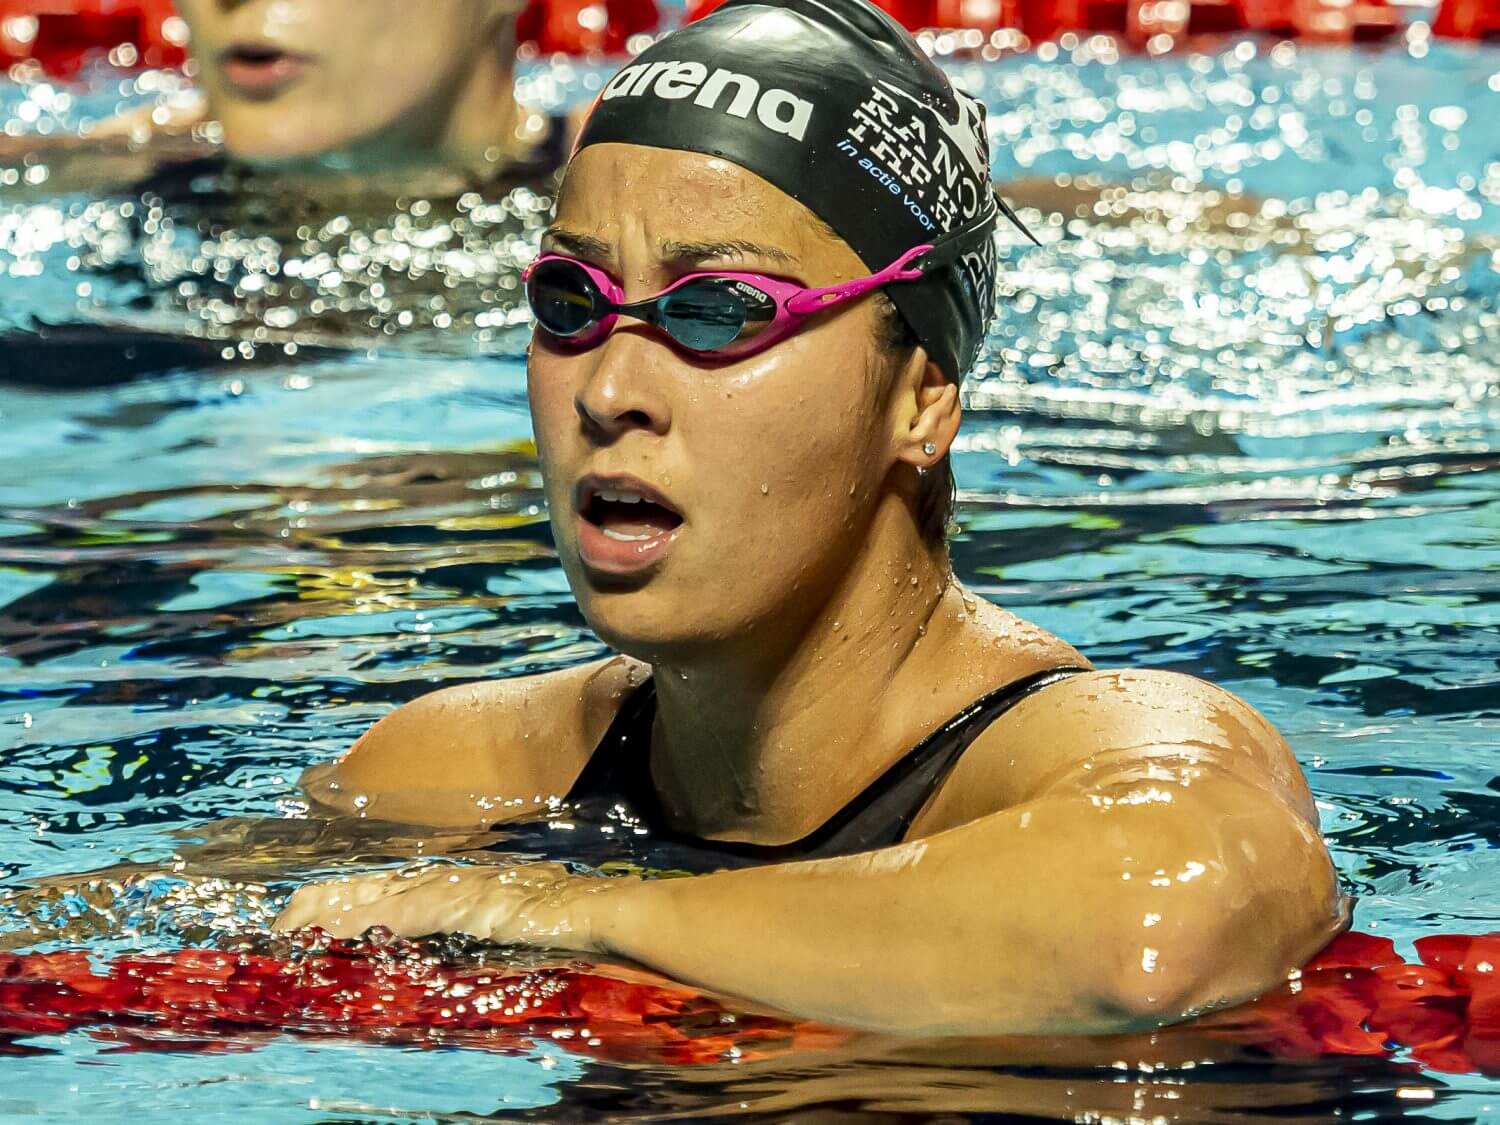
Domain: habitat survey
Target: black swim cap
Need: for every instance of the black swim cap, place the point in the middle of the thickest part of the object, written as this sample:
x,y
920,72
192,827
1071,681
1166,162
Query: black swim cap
x,y
834,103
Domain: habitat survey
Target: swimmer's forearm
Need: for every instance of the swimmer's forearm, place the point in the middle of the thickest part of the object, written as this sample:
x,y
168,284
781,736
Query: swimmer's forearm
x,y
452,809
1006,926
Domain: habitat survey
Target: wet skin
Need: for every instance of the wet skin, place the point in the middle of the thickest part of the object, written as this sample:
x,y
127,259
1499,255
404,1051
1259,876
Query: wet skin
x,y
1118,851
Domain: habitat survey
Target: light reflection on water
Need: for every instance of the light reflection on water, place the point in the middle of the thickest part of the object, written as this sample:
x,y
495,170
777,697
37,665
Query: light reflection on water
x,y
1249,436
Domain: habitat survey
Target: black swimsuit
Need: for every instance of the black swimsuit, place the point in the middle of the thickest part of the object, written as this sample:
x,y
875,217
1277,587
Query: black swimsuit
x,y
620,772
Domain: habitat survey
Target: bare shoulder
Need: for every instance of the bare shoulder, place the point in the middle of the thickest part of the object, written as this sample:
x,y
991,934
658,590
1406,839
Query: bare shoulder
x,y
478,753
1098,730
995,647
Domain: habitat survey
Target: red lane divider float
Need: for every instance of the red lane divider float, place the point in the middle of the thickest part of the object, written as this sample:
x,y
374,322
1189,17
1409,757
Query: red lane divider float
x,y
585,27
1357,997
1468,19
62,34
1138,21
385,991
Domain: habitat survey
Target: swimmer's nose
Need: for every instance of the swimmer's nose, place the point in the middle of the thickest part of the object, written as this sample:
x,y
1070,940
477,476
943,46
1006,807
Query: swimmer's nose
x,y
620,395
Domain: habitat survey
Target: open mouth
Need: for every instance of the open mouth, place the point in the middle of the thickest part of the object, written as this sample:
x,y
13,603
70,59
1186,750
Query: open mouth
x,y
627,515
256,68
624,525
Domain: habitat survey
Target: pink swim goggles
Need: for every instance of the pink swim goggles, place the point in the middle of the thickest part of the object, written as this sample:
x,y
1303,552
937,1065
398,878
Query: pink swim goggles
x,y
722,315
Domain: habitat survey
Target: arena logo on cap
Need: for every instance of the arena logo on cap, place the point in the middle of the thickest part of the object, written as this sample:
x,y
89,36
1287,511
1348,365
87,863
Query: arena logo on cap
x,y
778,110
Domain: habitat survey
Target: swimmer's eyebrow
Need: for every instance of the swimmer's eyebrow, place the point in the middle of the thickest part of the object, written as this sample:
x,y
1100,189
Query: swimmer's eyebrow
x,y
682,254
576,245
679,255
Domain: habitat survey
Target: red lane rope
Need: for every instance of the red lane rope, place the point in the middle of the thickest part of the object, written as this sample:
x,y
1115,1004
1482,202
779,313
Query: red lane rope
x,y
62,34
1360,997
1357,997
390,990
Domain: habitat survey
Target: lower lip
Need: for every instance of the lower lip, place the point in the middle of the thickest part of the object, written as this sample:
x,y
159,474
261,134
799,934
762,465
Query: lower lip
x,y
621,557
262,78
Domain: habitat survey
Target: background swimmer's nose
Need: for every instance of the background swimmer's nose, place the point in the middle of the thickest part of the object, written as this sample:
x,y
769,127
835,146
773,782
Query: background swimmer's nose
x,y
620,395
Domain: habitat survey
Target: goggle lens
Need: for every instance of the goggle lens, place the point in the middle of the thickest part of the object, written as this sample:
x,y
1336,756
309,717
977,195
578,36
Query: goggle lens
x,y
563,299
712,314
704,315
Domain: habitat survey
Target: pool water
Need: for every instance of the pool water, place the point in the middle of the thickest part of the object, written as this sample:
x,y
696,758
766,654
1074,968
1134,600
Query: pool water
x,y
1239,417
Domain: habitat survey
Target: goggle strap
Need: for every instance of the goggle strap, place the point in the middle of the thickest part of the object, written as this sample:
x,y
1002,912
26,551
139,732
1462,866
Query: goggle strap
x,y
1009,213
951,246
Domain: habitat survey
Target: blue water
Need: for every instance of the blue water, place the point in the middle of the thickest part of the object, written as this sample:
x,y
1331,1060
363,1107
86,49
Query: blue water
x,y
1248,436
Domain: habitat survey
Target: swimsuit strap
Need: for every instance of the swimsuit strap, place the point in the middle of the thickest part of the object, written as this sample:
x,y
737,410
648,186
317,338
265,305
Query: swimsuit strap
x,y
877,817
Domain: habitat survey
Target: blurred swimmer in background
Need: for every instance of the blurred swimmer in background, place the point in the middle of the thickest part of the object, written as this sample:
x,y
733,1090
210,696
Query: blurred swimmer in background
x,y
330,86
372,84
315,127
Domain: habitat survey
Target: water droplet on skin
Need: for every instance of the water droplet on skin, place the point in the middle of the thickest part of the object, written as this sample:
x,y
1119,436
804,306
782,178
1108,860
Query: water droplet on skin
x,y
765,490
837,625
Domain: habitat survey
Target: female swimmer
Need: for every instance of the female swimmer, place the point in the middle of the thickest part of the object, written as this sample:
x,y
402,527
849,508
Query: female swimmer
x,y
772,262
328,86
312,116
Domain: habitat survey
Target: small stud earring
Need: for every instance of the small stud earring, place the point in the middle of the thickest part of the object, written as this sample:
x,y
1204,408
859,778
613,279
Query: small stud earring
x,y
929,448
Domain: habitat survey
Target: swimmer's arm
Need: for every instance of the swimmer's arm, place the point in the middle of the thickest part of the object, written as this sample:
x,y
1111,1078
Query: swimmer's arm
x,y
1154,202
1171,863
114,153
475,755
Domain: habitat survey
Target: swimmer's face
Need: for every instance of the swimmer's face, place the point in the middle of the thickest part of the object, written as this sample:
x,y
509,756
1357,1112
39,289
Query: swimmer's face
x,y
759,475
290,79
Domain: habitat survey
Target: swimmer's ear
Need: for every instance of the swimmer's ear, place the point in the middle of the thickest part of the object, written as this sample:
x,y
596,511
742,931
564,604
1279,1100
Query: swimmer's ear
x,y
928,413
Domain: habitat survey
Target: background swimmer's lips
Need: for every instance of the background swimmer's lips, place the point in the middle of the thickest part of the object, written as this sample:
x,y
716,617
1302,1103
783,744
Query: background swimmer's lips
x,y
259,69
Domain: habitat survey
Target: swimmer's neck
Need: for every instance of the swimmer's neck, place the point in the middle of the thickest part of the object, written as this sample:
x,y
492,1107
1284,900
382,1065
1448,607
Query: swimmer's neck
x,y
753,736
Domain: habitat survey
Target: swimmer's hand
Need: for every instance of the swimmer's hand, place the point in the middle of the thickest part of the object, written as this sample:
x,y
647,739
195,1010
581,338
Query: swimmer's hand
x,y
537,904
174,117
113,153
